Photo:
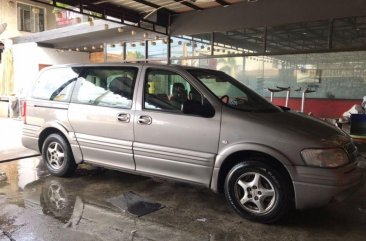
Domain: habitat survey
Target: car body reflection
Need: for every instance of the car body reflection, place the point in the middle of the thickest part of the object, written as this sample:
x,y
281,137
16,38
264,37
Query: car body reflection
x,y
80,209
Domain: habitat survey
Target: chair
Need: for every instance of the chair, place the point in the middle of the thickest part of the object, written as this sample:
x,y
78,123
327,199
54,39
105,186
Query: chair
x,y
179,95
121,86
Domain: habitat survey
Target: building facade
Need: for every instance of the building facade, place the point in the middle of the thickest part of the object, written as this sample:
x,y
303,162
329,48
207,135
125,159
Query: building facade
x,y
267,45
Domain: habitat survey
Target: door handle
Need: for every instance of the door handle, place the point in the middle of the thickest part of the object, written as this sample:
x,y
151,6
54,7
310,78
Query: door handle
x,y
123,117
144,120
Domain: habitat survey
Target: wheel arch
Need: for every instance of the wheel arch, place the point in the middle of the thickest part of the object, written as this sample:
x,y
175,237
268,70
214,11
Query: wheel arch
x,y
46,132
57,128
234,155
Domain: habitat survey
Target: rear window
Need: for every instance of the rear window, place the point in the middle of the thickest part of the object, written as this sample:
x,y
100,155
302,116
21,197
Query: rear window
x,y
106,86
56,84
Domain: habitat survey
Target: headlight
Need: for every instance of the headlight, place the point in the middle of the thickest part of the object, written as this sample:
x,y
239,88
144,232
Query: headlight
x,y
325,157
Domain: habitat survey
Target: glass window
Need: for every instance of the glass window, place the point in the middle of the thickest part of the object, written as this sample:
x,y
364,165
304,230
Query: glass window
x,y
158,49
168,91
239,41
111,87
135,51
349,32
232,92
114,52
55,84
30,18
186,46
298,37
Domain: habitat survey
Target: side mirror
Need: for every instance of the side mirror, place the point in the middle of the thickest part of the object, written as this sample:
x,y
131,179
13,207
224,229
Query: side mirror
x,y
192,107
284,108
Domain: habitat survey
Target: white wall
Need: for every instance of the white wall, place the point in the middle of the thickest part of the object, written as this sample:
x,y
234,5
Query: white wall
x,y
28,57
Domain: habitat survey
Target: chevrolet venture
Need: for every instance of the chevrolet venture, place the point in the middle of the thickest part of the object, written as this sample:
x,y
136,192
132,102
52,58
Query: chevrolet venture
x,y
189,124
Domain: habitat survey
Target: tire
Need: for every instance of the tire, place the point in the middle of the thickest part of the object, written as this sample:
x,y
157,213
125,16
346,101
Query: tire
x,y
258,192
57,156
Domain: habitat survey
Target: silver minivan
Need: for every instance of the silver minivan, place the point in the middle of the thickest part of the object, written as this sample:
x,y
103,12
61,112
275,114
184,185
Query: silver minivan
x,y
189,124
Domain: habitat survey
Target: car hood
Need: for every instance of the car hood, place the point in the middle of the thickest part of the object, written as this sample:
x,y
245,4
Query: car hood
x,y
287,132
306,127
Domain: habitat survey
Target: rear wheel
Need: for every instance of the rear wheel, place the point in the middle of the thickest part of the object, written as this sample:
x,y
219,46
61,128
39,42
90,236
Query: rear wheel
x,y
257,191
57,156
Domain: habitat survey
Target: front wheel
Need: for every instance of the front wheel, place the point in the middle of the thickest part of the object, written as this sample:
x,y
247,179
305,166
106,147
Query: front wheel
x,y
57,156
257,191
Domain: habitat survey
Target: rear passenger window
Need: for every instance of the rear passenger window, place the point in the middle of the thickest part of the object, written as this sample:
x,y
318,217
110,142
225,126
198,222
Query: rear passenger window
x,y
56,84
109,86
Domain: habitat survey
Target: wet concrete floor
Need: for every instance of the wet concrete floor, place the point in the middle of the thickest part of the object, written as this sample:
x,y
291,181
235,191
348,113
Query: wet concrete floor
x,y
37,206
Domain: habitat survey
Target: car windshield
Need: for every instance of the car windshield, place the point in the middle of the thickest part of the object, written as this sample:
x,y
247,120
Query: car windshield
x,y
232,92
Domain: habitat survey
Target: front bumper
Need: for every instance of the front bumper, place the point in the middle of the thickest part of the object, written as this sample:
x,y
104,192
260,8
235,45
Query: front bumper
x,y
315,187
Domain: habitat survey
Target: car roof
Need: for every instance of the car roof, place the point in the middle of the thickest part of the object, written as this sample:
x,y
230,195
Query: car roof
x,y
114,64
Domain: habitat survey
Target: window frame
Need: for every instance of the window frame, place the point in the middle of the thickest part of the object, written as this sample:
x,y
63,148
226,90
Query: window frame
x,y
77,86
144,82
31,5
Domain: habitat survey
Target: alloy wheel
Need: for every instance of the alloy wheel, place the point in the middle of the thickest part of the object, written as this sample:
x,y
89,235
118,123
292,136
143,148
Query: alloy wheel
x,y
55,155
255,193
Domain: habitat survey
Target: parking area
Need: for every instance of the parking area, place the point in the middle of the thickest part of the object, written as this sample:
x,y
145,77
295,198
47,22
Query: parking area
x,y
96,204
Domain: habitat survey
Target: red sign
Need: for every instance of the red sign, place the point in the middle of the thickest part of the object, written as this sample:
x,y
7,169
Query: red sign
x,y
64,18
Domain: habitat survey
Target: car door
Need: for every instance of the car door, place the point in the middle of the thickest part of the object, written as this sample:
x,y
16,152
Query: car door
x,y
169,142
101,114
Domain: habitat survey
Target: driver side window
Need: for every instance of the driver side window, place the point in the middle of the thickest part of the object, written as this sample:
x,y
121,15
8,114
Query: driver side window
x,y
168,91
226,91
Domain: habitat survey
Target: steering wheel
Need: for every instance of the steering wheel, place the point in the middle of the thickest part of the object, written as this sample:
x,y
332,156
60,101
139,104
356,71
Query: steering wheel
x,y
225,99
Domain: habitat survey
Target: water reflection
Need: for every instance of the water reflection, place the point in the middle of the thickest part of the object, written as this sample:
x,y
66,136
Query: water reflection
x,y
81,210
84,204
